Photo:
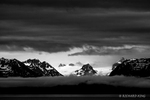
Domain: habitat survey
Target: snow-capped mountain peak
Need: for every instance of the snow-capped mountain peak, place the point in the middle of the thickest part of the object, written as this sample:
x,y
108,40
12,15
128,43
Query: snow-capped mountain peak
x,y
41,67
86,69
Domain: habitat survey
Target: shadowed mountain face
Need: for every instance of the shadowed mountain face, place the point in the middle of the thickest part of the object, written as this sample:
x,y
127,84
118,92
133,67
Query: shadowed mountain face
x,y
132,67
85,70
29,68
42,67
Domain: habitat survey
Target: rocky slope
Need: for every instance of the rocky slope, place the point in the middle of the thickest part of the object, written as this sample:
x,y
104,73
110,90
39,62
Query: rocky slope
x,y
29,68
132,67
43,68
85,70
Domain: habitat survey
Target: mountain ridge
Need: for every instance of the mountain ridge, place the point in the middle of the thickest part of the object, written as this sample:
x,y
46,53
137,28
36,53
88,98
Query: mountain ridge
x,y
132,67
28,68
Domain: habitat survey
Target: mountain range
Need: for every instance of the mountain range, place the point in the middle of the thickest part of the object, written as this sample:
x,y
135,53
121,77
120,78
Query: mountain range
x,y
132,67
28,68
36,68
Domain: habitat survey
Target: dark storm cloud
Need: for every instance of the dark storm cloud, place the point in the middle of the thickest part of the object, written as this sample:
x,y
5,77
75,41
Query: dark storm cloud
x,y
58,29
73,80
130,4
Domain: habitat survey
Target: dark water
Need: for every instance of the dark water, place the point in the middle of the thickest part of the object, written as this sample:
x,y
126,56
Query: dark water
x,y
82,88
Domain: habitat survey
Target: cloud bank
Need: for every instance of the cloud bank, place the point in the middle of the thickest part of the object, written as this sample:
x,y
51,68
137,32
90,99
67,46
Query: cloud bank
x,y
72,80
52,29
112,50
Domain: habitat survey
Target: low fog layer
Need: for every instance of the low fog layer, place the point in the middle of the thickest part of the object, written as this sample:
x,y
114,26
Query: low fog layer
x,y
73,80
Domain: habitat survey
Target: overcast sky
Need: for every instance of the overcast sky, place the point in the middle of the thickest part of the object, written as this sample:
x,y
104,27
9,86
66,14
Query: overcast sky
x,y
100,28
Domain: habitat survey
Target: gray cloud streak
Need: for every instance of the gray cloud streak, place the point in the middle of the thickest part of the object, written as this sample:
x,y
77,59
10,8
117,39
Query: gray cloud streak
x,y
113,50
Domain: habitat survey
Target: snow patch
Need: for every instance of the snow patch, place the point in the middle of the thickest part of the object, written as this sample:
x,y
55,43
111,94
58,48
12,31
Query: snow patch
x,y
27,64
49,68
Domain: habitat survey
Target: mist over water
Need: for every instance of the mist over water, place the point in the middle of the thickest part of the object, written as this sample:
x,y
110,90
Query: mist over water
x,y
73,80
